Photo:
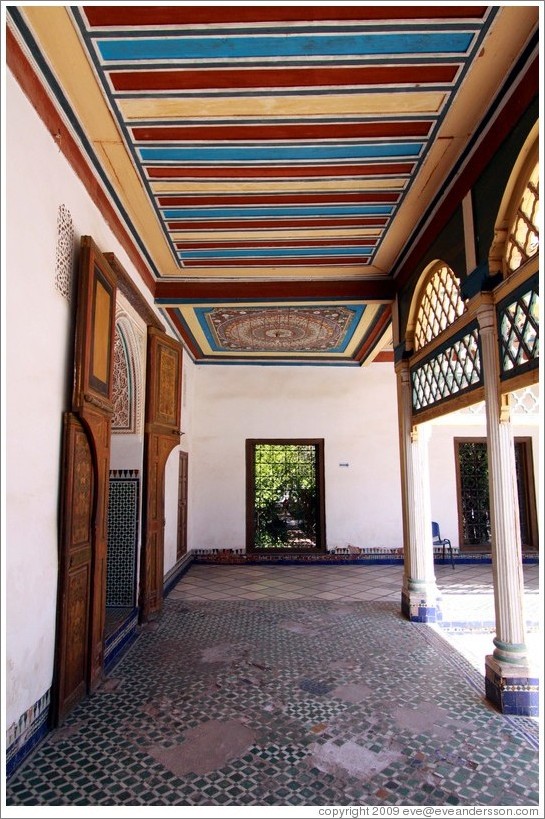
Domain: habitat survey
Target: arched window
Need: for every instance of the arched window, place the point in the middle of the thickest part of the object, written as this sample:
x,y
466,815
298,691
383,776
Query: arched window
x,y
523,237
439,304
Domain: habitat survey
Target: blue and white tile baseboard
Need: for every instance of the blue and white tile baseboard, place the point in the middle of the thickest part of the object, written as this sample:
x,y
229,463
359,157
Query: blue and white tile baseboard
x,y
23,736
339,556
180,568
118,642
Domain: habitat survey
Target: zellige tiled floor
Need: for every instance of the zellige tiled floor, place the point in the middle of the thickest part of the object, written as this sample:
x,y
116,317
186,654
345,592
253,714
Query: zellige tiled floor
x,y
294,686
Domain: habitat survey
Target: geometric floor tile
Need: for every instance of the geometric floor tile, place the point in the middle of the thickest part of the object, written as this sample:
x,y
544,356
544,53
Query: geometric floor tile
x,y
223,703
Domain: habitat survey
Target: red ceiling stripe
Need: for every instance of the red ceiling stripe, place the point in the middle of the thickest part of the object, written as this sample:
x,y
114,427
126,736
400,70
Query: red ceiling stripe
x,y
133,16
186,336
373,336
279,172
277,199
266,131
377,289
280,243
197,79
259,224
239,264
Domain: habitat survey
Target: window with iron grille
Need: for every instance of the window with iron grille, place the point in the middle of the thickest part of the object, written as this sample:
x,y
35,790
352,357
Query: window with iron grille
x,y
285,488
473,492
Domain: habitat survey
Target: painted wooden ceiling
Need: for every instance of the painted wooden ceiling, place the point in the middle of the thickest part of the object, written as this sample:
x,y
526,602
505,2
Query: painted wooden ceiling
x,y
254,145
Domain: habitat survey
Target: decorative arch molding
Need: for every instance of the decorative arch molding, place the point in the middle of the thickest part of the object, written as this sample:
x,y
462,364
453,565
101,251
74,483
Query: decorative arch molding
x,y
129,374
512,198
436,304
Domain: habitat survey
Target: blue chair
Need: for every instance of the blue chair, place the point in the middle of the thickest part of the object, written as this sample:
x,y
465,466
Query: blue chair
x,y
441,541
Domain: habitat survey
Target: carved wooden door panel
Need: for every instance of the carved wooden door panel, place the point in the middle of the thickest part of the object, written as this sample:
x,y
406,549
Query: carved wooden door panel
x,y
162,434
75,567
182,505
92,400
92,409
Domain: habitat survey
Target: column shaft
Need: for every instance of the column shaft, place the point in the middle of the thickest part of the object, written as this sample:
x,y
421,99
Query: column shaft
x,y
508,680
420,596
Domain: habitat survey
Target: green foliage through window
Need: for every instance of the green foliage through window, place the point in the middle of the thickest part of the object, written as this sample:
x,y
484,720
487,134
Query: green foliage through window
x,y
285,496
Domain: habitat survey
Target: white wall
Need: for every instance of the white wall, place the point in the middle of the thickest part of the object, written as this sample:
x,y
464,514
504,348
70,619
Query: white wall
x,y
38,355
353,409
172,466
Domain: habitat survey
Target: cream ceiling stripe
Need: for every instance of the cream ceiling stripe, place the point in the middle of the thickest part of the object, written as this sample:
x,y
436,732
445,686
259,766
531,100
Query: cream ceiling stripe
x,y
271,235
269,107
211,187
265,272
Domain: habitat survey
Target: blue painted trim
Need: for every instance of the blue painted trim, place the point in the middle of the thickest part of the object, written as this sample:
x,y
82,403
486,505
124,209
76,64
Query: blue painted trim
x,y
237,214
258,46
119,641
280,153
227,253
14,761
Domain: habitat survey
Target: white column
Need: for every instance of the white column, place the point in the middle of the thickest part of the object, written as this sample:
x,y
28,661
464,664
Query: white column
x,y
420,595
509,659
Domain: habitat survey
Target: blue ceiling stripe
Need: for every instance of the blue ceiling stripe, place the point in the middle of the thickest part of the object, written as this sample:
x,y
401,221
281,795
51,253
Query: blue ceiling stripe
x,y
241,253
271,153
237,213
281,46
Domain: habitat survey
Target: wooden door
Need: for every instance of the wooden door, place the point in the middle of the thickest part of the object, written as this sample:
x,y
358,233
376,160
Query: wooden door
x,y
162,434
82,602
75,568
182,506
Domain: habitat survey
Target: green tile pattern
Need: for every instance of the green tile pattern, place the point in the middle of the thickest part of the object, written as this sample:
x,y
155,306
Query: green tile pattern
x,y
249,661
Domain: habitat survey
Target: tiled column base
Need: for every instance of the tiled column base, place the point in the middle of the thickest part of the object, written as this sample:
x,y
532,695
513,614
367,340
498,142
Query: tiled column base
x,y
421,604
511,689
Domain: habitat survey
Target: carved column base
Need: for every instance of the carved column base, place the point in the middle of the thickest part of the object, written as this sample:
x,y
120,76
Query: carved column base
x,y
511,688
421,602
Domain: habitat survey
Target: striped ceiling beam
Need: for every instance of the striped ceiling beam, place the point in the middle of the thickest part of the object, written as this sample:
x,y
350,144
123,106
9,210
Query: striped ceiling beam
x,y
138,16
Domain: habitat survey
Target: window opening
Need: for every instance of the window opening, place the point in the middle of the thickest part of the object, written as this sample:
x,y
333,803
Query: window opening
x,y
473,494
523,241
285,503
440,305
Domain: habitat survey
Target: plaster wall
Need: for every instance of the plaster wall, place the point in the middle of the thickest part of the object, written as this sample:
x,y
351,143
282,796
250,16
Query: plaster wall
x,y
353,409
172,466
38,383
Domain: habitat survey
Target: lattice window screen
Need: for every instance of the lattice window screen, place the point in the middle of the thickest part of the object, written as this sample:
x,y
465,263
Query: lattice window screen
x,y
448,372
64,261
519,330
523,241
440,305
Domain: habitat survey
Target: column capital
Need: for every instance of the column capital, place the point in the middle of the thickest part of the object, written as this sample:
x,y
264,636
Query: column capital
x,y
485,310
402,368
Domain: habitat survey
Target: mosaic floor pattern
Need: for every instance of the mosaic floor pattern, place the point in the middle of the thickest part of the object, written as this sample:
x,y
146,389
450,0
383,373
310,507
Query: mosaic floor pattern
x,y
285,702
